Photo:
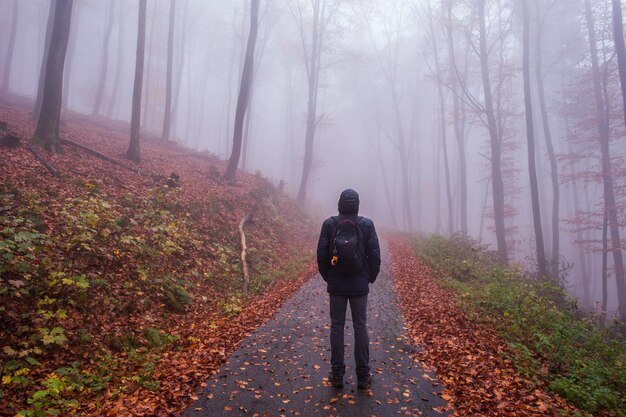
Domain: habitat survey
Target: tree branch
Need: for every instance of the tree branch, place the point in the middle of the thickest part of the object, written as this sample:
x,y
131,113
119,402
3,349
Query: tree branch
x,y
244,249
43,160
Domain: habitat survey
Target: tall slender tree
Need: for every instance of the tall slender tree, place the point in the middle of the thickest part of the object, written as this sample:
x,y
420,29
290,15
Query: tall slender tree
x,y
497,182
182,59
47,131
6,75
69,59
244,92
442,118
44,61
547,133
165,133
620,50
104,59
388,59
118,62
530,140
457,115
313,67
133,151
607,169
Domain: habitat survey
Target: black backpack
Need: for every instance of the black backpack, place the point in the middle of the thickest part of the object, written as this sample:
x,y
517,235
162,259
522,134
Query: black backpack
x,y
348,249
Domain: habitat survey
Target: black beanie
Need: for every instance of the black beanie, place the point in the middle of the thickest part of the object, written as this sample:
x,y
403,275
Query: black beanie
x,y
349,202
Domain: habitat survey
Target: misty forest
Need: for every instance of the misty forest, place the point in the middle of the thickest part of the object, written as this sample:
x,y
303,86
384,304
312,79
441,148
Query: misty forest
x,y
166,166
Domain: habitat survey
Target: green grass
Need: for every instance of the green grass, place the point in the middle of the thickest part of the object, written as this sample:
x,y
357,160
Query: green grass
x,y
549,338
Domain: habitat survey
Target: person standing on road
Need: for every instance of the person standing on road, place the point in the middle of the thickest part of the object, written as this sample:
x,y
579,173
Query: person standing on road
x,y
348,258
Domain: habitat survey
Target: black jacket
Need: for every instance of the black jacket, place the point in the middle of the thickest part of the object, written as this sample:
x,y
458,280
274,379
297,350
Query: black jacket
x,y
341,285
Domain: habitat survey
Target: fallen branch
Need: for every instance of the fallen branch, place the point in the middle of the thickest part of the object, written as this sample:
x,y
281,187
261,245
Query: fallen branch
x,y
99,155
43,160
244,248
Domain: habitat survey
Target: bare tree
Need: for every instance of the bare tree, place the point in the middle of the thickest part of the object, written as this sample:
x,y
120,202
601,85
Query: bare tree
x,y
547,132
257,64
530,140
149,104
387,58
44,61
165,133
118,62
607,169
6,75
494,137
69,59
313,59
182,59
104,59
442,116
458,114
244,91
133,152
47,131
620,50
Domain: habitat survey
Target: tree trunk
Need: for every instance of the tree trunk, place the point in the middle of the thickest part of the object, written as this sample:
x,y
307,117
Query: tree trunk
x,y
190,98
133,152
118,70
404,158
181,66
607,174
44,61
104,60
495,140
246,132
605,253
313,72
69,59
530,138
47,131
165,133
6,75
554,168
383,170
458,123
244,90
147,85
620,50
442,116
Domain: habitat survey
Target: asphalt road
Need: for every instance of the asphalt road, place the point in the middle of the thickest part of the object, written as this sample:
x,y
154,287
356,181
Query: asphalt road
x,y
282,368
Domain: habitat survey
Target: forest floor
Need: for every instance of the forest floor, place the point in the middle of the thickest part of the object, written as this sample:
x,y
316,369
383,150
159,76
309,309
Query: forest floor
x,y
470,358
427,358
120,284
282,368
120,294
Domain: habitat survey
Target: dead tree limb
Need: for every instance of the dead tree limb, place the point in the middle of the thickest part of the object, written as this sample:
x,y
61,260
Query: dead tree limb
x,y
244,249
99,155
43,160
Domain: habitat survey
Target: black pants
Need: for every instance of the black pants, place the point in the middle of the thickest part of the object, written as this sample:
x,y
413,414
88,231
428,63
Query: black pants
x,y
358,307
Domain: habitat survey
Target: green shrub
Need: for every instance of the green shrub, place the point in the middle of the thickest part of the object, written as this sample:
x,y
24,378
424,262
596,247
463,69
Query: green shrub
x,y
175,296
157,338
124,342
548,340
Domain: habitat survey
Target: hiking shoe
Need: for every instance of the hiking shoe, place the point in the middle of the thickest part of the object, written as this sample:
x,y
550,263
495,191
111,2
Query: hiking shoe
x,y
364,383
336,381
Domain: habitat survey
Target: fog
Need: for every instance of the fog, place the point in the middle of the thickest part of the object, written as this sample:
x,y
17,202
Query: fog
x,y
386,71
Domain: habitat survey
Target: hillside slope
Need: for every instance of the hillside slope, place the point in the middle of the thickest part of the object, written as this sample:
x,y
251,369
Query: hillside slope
x,y
121,287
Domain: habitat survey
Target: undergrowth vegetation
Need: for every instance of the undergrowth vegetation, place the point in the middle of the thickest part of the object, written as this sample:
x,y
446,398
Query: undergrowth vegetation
x,y
550,340
89,285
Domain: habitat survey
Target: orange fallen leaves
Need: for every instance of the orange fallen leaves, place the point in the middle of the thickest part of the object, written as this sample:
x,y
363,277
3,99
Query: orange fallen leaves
x,y
466,356
206,337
